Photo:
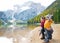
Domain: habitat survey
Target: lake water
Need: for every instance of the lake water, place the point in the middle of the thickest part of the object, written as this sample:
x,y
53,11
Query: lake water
x,y
22,29
16,32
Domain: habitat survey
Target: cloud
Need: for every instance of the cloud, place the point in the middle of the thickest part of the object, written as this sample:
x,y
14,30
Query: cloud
x,y
8,4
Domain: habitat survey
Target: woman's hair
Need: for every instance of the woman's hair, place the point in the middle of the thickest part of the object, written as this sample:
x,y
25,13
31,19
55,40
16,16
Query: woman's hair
x,y
43,17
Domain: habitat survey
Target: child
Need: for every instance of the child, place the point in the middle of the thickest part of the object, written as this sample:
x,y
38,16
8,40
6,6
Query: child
x,y
42,26
48,30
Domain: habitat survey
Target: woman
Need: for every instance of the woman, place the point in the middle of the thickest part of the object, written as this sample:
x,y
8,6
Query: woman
x,y
42,26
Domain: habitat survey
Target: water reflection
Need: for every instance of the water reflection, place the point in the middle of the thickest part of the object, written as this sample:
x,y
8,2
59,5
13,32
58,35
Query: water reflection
x,y
17,32
18,28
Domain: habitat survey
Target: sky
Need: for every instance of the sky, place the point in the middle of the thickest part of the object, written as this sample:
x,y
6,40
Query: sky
x,y
8,4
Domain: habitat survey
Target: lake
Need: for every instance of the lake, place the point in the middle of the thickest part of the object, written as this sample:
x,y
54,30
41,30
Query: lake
x,y
21,29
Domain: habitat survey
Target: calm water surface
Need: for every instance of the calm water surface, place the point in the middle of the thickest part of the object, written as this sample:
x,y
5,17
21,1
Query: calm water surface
x,y
11,30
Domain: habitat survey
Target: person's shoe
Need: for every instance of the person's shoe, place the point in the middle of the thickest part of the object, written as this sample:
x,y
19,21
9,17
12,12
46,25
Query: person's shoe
x,y
42,38
50,38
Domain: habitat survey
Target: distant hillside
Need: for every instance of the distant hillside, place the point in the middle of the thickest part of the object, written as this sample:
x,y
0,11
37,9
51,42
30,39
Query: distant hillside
x,y
32,11
3,17
54,8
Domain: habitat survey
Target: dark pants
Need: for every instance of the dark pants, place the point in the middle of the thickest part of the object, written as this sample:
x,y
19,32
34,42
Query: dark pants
x,y
48,34
42,32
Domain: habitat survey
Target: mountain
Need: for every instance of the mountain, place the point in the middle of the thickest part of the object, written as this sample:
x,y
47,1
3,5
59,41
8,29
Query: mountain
x,y
24,12
9,14
36,6
29,10
54,9
3,17
26,15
